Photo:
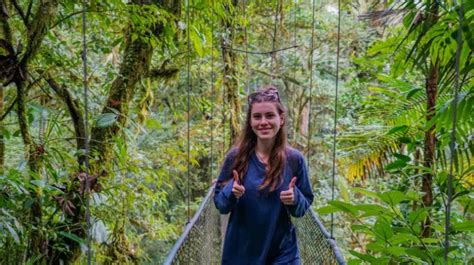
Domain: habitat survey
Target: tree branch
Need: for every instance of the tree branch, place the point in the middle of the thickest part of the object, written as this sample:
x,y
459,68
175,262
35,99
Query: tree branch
x,y
20,12
38,29
76,114
28,12
7,111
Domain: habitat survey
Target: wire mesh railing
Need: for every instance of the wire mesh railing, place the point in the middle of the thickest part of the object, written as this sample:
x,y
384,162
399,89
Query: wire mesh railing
x,y
315,243
201,242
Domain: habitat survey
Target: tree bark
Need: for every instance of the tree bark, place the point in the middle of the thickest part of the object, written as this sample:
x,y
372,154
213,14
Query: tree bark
x,y
2,138
231,84
7,36
429,142
37,240
135,65
429,149
38,28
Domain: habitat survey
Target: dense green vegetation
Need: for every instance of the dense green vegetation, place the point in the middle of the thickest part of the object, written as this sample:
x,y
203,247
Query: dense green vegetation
x,y
397,83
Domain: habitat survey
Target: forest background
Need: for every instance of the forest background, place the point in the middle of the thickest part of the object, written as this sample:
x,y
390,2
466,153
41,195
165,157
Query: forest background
x,y
399,73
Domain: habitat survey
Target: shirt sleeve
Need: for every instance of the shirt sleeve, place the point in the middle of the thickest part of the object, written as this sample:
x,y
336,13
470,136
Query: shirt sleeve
x,y
224,199
303,193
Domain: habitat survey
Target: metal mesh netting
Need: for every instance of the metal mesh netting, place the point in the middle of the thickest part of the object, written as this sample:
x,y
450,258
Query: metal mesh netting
x,y
314,242
201,242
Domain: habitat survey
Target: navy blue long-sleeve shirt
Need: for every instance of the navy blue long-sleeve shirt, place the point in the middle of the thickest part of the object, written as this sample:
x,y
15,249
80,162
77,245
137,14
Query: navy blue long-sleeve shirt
x,y
259,229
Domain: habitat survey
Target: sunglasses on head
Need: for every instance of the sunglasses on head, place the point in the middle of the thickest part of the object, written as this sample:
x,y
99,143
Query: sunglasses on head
x,y
269,94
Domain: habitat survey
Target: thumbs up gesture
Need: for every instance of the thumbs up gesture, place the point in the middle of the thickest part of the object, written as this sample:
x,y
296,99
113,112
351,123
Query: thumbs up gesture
x,y
237,189
288,196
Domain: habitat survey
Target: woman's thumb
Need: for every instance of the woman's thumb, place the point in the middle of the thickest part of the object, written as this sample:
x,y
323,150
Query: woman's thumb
x,y
236,176
292,183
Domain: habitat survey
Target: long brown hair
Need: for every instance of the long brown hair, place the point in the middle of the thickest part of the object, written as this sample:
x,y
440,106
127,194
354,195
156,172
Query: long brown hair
x,y
247,142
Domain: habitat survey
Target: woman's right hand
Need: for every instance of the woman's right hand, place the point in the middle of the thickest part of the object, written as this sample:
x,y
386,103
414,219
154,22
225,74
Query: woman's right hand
x,y
237,189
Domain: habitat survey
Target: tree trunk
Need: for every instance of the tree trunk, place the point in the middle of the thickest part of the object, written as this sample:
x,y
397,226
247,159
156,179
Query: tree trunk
x,y
135,65
7,36
429,142
37,245
231,84
2,139
431,89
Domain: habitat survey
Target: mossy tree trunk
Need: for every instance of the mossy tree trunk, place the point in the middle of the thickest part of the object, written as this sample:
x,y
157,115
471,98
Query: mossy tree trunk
x,y
6,36
135,66
2,139
230,82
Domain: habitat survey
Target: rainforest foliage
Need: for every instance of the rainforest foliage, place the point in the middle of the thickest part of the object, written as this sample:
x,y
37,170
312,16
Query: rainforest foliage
x,y
160,72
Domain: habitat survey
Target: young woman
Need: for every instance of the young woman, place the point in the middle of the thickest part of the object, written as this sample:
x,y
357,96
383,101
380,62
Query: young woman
x,y
262,182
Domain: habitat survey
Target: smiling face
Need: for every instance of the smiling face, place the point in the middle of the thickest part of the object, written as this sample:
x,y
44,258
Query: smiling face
x,y
265,120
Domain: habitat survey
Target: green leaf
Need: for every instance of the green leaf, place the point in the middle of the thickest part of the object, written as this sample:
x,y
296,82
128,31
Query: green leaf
x,y
397,164
13,233
327,210
354,262
393,197
402,157
375,246
364,257
430,240
400,238
417,253
463,226
412,92
460,194
405,140
345,207
401,128
396,251
383,229
371,208
73,237
106,119
367,192
418,215
197,42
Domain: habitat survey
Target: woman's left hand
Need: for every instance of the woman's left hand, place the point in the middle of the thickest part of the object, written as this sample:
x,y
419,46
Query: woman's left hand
x,y
288,196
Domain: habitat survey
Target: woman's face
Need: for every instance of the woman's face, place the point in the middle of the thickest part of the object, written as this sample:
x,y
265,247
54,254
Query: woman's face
x,y
265,120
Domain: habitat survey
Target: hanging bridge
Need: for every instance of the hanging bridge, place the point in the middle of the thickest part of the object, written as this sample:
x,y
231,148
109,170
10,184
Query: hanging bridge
x,y
202,240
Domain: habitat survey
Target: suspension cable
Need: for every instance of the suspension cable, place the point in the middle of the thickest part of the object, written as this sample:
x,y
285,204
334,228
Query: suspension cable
x,y
295,8
452,144
246,44
213,97
86,129
188,109
335,111
311,51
